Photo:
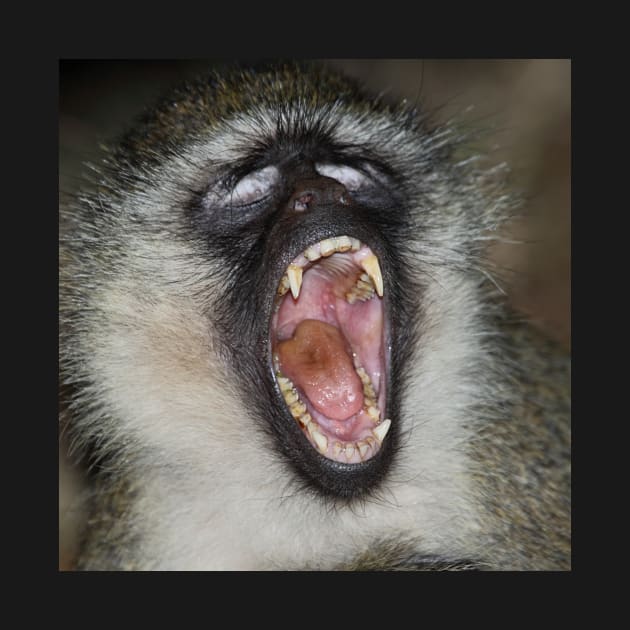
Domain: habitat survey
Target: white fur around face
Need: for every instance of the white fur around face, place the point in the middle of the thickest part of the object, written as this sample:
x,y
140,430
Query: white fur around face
x,y
220,497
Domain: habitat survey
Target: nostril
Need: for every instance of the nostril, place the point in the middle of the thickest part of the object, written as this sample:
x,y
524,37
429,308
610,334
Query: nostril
x,y
320,191
303,201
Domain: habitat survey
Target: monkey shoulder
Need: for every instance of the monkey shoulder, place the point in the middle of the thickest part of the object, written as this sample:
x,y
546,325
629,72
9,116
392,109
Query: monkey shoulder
x,y
524,452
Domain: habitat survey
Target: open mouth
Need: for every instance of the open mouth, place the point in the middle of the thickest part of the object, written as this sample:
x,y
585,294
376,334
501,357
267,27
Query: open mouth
x,y
328,348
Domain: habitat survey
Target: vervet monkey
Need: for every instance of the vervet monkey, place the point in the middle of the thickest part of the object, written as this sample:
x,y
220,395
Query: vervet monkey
x,y
281,346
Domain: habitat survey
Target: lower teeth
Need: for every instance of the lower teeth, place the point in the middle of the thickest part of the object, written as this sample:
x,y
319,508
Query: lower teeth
x,y
371,406
305,420
298,408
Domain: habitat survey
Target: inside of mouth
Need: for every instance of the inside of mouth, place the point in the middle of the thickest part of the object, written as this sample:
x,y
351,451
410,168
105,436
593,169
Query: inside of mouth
x,y
328,355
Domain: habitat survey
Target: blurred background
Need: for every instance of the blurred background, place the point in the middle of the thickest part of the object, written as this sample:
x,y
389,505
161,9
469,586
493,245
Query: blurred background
x,y
521,107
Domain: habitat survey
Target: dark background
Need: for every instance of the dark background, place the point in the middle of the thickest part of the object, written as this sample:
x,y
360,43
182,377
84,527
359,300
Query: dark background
x,y
522,108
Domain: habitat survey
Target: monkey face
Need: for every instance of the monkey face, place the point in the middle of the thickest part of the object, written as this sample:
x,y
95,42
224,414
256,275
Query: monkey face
x,y
311,242
260,314
272,315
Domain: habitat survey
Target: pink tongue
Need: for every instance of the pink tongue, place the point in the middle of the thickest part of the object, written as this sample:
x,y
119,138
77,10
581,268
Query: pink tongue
x,y
317,361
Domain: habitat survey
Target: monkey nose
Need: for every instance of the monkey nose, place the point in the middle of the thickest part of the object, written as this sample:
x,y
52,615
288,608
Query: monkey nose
x,y
309,194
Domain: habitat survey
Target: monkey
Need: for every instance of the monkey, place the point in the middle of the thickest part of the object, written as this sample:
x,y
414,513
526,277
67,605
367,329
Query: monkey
x,y
281,347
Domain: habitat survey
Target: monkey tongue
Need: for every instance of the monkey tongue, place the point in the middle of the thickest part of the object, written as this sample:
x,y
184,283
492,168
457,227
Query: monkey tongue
x,y
317,360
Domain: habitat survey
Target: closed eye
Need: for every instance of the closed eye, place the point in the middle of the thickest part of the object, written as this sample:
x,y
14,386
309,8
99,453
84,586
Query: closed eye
x,y
255,186
351,178
249,190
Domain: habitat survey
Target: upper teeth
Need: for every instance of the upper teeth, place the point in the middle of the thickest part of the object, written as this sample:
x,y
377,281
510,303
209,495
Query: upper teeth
x,y
295,279
331,245
373,269
365,258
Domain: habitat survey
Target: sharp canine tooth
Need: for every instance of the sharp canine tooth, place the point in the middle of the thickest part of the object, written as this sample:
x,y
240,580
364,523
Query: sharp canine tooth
x,y
371,266
381,430
327,247
321,440
295,279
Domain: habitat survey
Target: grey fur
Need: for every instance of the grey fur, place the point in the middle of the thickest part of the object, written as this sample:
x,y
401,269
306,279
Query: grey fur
x,y
188,479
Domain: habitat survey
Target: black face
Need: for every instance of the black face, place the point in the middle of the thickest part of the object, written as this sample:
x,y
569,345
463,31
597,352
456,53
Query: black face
x,y
256,219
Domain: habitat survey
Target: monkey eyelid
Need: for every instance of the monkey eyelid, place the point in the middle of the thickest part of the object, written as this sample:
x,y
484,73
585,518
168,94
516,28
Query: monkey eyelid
x,y
255,186
351,178
246,191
